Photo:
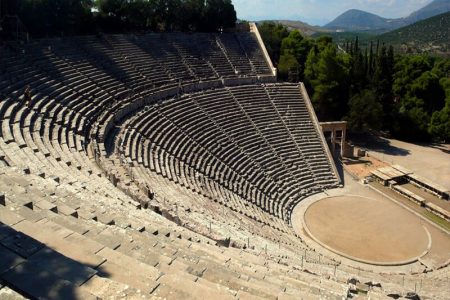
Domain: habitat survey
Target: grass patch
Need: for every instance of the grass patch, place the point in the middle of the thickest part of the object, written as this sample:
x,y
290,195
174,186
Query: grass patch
x,y
436,219
413,205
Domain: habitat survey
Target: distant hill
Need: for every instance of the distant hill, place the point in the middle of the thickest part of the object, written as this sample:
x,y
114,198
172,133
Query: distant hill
x,y
304,28
436,7
358,20
341,38
427,36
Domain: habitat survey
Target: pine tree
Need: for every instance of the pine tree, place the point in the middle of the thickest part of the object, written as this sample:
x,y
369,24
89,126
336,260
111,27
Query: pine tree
x,y
382,83
370,62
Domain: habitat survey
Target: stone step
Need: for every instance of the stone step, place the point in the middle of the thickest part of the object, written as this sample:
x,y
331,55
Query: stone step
x,y
48,260
8,294
106,219
175,286
9,259
77,252
38,283
22,244
242,267
5,231
46,205
297,295
144,252
209,252
29,214
44,230
86,214
63,240
105,236
315,284
69,223
105,288
128,270
88,244
242,295
219,273
9,217
175,266
23,199
217,286
66,210
236,281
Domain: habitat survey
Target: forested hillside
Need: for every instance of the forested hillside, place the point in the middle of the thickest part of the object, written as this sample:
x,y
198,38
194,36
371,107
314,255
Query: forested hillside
x,y
372,88
428,36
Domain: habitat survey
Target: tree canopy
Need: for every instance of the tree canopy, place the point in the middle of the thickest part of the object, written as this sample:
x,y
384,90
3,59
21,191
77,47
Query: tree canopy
x,y
371,88
68,17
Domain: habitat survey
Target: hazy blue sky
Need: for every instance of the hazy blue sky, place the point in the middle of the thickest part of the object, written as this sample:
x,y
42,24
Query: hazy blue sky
x,y
319,12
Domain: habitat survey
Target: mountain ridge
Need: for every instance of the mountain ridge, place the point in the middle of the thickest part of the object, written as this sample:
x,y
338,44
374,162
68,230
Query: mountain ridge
x,y
425,36
359,20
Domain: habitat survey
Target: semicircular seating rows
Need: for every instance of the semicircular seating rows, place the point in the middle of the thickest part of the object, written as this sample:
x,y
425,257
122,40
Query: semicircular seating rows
x,y
237,145
189,124
254,143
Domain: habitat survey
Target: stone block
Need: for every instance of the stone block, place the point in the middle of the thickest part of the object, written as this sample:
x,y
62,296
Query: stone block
x,y
30,214
9,217
45,205
6,231
9,259
22,244
48,260
67,211
41,283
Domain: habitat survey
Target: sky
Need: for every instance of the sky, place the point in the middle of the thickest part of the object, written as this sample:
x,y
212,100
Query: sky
x,y
320,12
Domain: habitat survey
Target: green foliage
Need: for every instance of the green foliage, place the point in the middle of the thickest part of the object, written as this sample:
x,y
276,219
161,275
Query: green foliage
x,y
288,64
421,87
427,36
327,73
56,17
365,112
167,15
428,88
218,14
273,35
288,50
440,124
382,81
440,121
412,123
295,45
405,95
407,69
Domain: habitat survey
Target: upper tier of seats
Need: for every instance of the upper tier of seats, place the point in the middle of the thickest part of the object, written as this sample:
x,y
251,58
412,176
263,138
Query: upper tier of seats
x,y
79,85
124,63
